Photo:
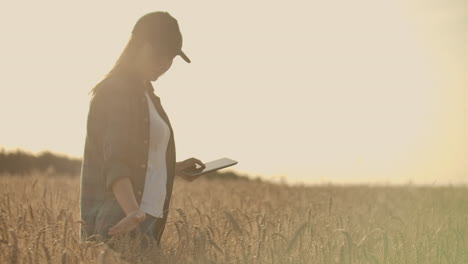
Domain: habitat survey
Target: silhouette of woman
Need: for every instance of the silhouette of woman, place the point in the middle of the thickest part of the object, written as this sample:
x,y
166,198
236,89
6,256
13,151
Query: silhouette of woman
x,y
129,160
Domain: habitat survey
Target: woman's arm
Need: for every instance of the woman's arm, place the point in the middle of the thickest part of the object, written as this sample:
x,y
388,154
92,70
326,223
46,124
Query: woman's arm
x,y
124,194
117,154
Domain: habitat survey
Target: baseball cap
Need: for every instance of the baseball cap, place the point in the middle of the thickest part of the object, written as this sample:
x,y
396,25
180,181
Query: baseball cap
x,y
161,28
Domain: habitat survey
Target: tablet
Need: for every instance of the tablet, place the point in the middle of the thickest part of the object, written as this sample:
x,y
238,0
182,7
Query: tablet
x,y
211,166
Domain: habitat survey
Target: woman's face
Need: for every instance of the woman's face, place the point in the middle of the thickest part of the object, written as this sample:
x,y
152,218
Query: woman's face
x,y
154,63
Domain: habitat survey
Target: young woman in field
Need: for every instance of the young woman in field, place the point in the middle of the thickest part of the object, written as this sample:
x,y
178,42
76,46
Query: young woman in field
x,y
129,160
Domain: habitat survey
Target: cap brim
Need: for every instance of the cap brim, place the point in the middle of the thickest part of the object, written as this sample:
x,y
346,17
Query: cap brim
x,y
182,54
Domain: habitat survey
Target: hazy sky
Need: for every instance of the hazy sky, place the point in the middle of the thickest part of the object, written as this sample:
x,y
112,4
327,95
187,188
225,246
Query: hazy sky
x,y
342,91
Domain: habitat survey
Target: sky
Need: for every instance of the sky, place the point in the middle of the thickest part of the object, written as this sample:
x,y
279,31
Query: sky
x,y
364,91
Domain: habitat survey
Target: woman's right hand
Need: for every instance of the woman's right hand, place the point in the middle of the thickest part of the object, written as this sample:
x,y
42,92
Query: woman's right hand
x,y
128,223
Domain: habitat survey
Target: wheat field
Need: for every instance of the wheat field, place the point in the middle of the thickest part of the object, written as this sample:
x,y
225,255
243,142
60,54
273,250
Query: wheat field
x,y
239,221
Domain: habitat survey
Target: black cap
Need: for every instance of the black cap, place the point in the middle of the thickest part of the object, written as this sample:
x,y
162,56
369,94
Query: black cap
x,y
161,28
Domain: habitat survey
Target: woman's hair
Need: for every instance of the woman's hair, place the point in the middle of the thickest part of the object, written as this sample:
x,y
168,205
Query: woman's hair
x,y
123,63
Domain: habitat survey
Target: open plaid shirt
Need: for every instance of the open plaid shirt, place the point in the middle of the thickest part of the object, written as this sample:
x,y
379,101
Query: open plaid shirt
x,y
116,146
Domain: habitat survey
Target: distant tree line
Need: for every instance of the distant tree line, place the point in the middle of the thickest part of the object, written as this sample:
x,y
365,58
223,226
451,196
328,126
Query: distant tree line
x,y
21,162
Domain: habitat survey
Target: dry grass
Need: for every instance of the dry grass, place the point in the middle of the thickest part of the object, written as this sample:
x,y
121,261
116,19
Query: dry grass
x,y
248,222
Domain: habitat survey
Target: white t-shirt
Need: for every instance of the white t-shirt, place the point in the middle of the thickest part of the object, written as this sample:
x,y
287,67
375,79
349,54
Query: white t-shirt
x,y
154,193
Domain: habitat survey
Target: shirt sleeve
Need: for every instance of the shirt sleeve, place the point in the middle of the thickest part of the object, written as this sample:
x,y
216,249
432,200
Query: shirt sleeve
x,y
115,138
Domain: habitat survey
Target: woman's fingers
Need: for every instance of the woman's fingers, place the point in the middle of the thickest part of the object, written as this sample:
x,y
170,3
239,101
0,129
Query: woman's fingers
x,y
124,225
197,161
116,229
123,228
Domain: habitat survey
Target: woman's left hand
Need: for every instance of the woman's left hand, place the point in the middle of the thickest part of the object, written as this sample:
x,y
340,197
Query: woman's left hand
x,y
128,223
189,164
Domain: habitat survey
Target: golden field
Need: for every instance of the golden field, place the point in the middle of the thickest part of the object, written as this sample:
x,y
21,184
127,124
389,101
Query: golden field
x,y
239,221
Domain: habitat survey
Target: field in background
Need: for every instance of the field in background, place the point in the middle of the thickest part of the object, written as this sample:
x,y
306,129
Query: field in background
x,y
238,221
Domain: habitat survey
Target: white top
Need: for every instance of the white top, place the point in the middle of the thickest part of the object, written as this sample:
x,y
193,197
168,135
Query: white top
x,y
154,193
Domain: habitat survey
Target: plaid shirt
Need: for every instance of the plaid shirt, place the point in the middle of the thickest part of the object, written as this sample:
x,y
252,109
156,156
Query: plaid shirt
x,y
116,146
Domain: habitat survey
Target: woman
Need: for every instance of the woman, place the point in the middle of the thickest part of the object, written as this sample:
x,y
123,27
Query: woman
x,y
129,161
